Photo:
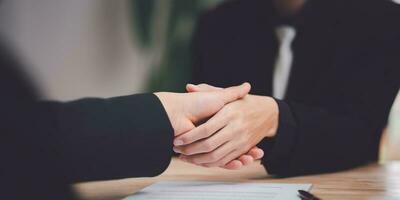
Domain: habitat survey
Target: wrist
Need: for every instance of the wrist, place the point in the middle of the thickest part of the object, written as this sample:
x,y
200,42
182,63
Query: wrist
x,y
166,99
274,117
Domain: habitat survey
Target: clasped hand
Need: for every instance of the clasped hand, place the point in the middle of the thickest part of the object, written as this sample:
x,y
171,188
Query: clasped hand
x,y
234,123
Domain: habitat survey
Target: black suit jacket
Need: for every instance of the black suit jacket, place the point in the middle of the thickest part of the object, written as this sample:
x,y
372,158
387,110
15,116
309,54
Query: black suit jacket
x,y
45,146
344,78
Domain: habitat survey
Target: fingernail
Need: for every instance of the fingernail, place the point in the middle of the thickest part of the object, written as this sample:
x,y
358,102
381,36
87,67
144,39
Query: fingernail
x,y
246,83
178,142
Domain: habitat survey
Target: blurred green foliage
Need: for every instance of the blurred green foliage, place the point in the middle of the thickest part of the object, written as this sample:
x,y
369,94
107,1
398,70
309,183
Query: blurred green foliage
x,y
174,67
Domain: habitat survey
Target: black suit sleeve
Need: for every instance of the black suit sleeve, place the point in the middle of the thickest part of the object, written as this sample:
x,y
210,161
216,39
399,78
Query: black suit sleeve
x,y
88,139
317,140
99,139
45,146
128,136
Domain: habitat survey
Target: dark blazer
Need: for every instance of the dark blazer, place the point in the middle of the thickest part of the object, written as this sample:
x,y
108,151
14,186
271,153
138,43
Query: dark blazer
x,y
45,146
343,82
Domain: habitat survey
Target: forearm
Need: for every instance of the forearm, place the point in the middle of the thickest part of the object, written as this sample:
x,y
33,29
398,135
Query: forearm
x,y
113,138
314,140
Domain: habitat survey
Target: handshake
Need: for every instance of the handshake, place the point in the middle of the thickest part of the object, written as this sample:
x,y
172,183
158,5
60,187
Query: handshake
x,y
216,127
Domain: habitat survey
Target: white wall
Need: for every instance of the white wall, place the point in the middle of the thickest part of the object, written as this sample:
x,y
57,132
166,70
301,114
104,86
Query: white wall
x,y
76,48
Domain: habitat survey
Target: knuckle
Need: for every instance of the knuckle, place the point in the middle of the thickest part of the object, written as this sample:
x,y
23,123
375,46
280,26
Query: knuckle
x,y
239,129
223,162
219,163
245,142
202,85
194,160
228,113
239,115
215,164
213,157
247,147
205,130
242,142
228,109
208,146
185,139
208,165
187,151
183,151
236,114
212,164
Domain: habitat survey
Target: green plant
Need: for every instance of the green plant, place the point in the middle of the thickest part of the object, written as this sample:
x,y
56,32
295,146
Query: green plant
x,y
164,29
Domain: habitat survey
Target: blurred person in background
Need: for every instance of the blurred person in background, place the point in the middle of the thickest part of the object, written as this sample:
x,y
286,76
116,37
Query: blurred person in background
x,y
324,77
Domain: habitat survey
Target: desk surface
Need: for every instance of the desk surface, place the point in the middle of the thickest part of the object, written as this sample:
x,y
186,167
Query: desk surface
x,y
369,182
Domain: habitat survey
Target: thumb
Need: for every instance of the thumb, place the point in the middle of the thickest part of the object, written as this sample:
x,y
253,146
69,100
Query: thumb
x,y
201,88
205,104
234,93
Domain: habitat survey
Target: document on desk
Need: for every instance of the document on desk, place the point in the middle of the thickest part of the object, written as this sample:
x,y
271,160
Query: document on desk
x,y
219,191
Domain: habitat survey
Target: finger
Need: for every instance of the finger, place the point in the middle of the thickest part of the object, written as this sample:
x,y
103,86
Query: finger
x,y
234,93
206,145
256,153
233,165
191,88
205,130
183,158
246,159
211,157
243,160
205,104
233,155
201,88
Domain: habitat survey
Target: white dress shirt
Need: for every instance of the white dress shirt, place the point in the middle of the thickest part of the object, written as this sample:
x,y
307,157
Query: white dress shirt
x,y
285,35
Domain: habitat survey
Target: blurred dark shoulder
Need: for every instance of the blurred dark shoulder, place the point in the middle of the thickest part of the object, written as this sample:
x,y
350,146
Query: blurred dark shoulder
x,y
234,20
14,82
372,13
232,14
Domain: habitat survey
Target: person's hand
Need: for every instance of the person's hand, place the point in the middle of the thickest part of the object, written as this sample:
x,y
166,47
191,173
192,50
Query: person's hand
x,y
231,132
185,110
246,159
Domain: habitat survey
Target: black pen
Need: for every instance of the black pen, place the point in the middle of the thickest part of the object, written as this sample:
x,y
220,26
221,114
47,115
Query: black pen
x,y
304,195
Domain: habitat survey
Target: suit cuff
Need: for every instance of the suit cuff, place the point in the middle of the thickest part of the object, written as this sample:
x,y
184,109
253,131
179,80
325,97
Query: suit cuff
x,y
152,128
280,148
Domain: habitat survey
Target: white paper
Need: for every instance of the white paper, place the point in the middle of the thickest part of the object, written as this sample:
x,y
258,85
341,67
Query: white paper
x,y
219,191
